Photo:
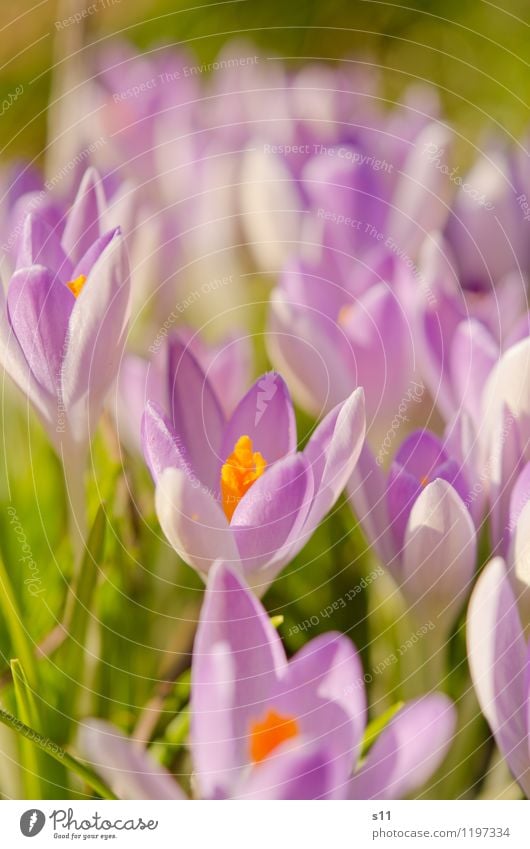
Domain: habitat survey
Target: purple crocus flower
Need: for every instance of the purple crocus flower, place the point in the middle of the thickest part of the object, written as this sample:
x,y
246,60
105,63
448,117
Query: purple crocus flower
x,y
460,334
518,527
263,727
499,659
63,320
417,519
328,337
505,435
486,228
326,182
513,535
344,302
236,487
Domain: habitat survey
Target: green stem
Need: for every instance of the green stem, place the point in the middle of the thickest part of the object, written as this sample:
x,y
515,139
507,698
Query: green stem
x,y
435,653
74,478
55,751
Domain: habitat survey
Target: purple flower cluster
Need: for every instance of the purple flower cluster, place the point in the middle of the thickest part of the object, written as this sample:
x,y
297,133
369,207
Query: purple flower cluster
x,y
388,270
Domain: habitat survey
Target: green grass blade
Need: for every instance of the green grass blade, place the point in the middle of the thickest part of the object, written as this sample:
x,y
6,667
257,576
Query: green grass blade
x,y
53,750
375,727
44,778
19,638
27,710
77,613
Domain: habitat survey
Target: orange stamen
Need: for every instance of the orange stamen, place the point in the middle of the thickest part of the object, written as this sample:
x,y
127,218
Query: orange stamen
x,y
76,285
345,315
241,470
269,733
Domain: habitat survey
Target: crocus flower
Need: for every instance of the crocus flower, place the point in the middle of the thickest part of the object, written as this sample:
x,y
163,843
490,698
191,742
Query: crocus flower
x,y
263,727
486,228
505,435
514,540
340,314
460,333
237,488
327,338
63,320
499,659
417,519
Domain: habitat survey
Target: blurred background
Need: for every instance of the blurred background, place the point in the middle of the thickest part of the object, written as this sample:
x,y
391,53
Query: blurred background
x,y
476,52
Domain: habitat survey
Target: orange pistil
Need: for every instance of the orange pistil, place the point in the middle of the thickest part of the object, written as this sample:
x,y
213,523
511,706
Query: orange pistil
x,y
269,733
76,285
241,470
424,480
346,313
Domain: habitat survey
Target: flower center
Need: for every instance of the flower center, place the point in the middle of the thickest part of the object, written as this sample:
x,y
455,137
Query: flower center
x,y
424,480
241,470
346,313
269,733
76,285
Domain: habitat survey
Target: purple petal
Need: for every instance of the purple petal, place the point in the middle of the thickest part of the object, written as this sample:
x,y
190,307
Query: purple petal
x,y
139,381
419,205
367,491
238,659
504,462
420,459
266,415
330,666
160,444
439,553
39,308
498,660
197,415
462,443
403,490
333,451
193,521
125,765
40,245
227,365
82,226
519,562
508,387
89,259
272,208
379,337
520,496
474,352
420,454
12,359
269,520
302,774
489,241
312,352
439,315
306,284
408,751
97,334
339,184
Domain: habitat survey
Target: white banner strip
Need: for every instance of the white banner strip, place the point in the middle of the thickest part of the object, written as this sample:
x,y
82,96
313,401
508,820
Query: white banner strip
x,y
265,825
